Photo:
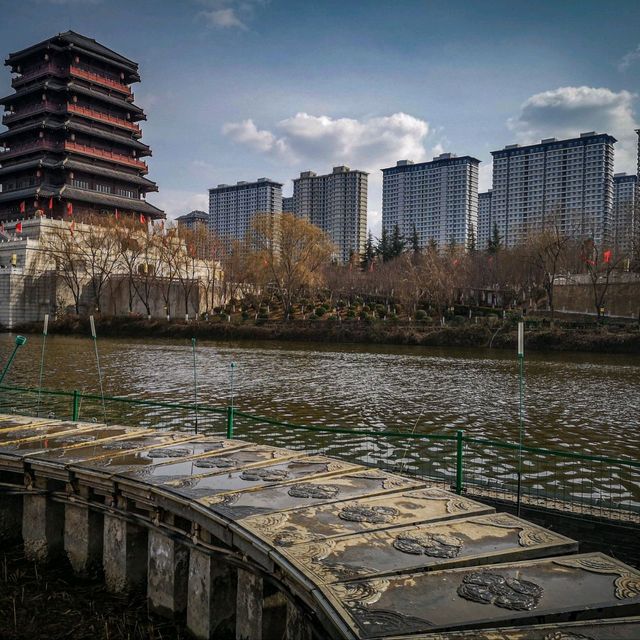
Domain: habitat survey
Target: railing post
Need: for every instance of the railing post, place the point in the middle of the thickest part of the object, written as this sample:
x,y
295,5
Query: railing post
x,y
75,409
230,411
459,469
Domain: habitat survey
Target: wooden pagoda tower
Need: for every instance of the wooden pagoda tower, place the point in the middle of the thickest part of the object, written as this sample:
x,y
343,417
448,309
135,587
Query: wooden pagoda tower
x,y
73,141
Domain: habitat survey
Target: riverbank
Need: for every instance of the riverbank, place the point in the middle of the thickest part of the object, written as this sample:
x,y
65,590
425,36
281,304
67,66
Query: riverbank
x,y
625,340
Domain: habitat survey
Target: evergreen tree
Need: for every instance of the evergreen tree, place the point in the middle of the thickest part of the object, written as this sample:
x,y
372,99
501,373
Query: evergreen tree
x,y
397,243
384,246
369,252
471,242
415,240
495,242
432,246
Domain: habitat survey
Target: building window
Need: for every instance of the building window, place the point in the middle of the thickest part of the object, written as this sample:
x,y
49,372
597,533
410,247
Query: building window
x,y
127,193
80,183
103,188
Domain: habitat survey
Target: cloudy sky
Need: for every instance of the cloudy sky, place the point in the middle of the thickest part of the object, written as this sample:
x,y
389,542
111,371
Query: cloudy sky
x,y
240,89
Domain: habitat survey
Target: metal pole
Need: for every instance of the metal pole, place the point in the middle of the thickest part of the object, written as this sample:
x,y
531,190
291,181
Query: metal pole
x,y
20,340
521,392
75,407
459,470
95,345
230,408
44,341
195,380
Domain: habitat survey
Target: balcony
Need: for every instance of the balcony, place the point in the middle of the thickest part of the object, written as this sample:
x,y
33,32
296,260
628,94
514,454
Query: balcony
x,y
93,152
103,117
36,108
101,80
40,145
48,69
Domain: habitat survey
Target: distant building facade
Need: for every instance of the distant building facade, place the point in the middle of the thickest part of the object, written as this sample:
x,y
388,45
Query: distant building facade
x,y
568,181
485,224
192,219
624,195
232,208
437,199
337,203
288,205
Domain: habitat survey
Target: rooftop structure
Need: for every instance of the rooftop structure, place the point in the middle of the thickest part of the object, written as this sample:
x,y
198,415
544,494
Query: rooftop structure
x,y
73,140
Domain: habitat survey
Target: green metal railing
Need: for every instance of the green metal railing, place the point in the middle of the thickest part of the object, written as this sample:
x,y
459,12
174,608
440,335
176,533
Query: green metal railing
x,y
587,485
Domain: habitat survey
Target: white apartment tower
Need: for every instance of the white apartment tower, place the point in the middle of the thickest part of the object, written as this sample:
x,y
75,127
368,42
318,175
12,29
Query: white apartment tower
x,y
485,223
337,203
624,194
439,199
568,181
233,207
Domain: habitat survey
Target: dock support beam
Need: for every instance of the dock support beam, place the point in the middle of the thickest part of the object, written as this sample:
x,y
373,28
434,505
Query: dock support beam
x,y
83,532
10,517
42,527
125,554
211,606
167,575
249,606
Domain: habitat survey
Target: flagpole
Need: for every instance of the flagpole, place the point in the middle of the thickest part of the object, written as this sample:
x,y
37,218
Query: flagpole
x,y
44,342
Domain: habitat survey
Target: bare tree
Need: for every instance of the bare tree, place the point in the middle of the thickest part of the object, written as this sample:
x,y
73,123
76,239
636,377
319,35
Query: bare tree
x,y
600,263
293,252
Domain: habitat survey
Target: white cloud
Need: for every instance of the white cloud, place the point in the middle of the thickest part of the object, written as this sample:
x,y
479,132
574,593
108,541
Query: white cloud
x,y
485,176
224,19
367,144
629,58
175,202
567,111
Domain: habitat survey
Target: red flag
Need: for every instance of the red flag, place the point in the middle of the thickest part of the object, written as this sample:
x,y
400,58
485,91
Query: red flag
x,y
117,215
51,202
23,206
18,227
72,226
607,255
69,209
456,262
143,220
192,251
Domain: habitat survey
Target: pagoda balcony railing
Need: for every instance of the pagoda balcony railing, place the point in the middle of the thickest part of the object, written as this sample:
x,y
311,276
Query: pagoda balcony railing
x,y
40,70
103,117
40,145
100,79
45,105
105,155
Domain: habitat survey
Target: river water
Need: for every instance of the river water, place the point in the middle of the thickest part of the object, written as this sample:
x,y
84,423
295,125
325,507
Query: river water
x,y
585,403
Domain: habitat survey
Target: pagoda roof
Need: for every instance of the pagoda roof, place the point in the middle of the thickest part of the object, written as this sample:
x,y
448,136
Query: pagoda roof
x,y
50,163
72,41
43,190
108,173
110,200
50,83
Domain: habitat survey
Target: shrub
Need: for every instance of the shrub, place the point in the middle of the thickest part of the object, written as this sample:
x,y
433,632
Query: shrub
x,y
421,315
320,311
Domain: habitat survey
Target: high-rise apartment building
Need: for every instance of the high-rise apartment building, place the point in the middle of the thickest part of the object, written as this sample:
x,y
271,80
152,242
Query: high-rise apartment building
x,y
288,205
567,181
192,219
485,224
233,207
437,199
337,203
73,140
623,227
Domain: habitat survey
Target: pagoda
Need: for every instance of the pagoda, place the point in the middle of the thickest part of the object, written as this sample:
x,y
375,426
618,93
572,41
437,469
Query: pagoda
x,y
73,140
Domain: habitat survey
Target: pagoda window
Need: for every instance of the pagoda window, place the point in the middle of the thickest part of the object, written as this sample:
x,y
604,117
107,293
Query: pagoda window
x,y
80,183
103,188
127,193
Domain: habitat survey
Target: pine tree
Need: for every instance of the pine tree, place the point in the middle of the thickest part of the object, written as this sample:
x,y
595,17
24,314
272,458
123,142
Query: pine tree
x,y
415,240
397,243
495,242
471,242
369,252
384,247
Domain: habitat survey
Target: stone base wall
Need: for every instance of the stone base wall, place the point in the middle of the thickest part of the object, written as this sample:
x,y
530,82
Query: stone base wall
x,y
622,298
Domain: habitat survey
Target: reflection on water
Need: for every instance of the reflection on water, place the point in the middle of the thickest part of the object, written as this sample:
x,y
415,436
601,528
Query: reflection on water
x,y
585,403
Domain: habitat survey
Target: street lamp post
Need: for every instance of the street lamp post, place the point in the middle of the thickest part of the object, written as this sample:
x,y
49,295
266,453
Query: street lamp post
x,y
20,340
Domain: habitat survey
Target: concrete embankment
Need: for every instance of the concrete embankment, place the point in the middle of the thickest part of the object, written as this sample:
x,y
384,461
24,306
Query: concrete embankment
x,y
591,339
